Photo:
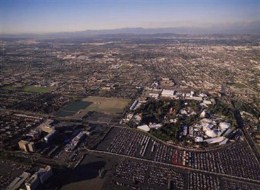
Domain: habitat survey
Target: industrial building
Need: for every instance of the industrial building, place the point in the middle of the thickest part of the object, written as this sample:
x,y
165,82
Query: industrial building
x,y
33,182
48,138
23,145
30,141
38,178
46,126
75,141
18,181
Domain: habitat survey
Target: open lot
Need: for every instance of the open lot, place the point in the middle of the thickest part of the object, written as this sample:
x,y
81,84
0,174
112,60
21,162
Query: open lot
x,y
36,89
9,87
106,105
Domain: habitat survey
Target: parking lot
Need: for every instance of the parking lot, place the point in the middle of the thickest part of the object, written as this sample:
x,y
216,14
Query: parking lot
x,y
236,160
143,175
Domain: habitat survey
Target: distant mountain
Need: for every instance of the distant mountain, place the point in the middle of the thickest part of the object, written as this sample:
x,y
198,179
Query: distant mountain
x,y
234,28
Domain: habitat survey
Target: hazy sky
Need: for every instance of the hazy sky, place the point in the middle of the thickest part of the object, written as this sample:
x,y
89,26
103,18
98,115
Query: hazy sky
x,y
41,16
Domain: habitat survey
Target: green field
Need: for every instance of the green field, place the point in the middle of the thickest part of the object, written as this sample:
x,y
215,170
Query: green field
x,y
36,89
72,108
106,105
9,88
94,103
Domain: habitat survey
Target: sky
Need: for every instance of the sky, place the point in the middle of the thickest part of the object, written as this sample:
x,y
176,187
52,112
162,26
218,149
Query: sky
x,y
45,16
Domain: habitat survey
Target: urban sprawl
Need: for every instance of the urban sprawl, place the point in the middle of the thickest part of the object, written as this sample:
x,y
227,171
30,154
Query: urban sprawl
x,y
161,111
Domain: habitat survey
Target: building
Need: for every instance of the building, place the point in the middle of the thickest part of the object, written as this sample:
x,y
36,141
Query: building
x,y
211,133
46,126
185,130
215,140
154,95
31,147
197,98
155,125
167,93
166,82
134,105
38,178
223,142
33,182
227,132
18,181
48,138
203,114
144,128
224,125
207,102
23,145
34,134
198,139
44,174
75,141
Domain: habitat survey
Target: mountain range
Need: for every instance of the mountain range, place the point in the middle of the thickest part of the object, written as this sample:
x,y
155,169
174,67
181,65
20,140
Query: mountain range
x,y
234,28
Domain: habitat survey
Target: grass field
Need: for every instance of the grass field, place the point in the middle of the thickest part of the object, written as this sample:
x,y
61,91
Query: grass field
x,y
9,88
72,108
106,105
36,89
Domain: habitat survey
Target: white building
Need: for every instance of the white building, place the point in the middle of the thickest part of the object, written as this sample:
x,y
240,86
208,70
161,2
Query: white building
x,y
155,126
145,128
134,105
198,139
197,98
207,102
167,93
215,140
224,125
203,114
154,95
211,133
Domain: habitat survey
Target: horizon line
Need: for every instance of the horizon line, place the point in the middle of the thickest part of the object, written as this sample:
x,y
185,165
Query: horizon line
x,y
122,28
